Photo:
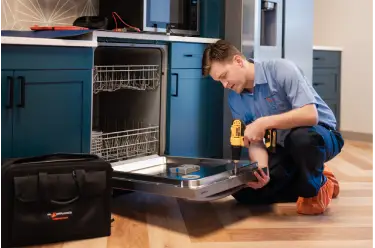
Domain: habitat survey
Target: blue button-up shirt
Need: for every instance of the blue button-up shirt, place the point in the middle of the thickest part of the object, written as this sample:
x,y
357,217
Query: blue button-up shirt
x,y
279,86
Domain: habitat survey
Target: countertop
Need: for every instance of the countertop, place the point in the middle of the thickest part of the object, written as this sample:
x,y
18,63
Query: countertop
x,y
90,39
46,42
328,48
148,36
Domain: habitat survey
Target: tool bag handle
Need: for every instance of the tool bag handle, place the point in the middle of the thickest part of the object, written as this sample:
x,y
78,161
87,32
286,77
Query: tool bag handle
x,y
56,156
79,179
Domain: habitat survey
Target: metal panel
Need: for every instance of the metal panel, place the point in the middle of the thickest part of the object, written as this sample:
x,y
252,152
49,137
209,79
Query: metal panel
x,y
258,34
213,179
298,34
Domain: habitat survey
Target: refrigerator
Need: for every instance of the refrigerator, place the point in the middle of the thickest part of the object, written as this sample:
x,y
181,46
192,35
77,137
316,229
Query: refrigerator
x,y
265,30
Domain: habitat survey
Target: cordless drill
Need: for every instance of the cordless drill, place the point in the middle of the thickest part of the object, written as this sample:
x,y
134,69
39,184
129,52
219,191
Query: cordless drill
x,y
237,140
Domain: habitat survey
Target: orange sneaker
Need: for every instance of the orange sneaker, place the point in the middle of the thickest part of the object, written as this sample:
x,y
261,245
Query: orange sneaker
x,y
317,204
330,176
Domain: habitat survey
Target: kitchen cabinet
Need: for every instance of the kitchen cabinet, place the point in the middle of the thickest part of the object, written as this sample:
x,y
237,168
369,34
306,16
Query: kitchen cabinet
x,y
44,110
195,115
212,22
195,109
327,77
6,113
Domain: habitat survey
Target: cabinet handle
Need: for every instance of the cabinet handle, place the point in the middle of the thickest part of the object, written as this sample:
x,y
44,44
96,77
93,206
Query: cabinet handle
x,y
316,84
22,80
176,87
11,92
193,55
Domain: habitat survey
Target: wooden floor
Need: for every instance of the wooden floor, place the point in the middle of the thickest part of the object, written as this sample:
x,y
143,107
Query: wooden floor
x,y
160,222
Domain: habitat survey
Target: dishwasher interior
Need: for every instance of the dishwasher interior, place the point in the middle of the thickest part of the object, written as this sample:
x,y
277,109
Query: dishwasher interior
x,y
128,129
127,102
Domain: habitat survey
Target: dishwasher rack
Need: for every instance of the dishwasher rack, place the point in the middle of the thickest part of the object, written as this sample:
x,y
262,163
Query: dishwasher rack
x,y
135,77
113,139
116,146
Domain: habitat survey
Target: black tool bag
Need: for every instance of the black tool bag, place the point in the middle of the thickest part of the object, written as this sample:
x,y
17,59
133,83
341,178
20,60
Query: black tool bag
x,y
55,198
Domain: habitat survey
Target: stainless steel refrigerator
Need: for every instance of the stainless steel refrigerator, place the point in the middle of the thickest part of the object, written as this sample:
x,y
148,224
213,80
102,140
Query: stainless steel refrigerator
x,y
269,29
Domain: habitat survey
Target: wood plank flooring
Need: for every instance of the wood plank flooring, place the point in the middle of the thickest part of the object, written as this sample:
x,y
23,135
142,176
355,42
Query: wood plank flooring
x,y
149,221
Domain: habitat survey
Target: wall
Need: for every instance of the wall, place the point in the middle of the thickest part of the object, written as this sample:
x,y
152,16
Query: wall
x,y
21,14
348,24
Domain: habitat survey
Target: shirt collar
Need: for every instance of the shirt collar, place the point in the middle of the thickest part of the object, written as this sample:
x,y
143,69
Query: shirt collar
x,y
260,76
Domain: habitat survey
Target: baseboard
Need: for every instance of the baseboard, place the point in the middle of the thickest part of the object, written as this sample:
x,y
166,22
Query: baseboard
x,y
367,137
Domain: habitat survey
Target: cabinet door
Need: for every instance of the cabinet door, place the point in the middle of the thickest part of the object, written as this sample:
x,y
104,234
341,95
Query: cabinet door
x,y
52,112
326,84
215,114
196,115
187,132
7,106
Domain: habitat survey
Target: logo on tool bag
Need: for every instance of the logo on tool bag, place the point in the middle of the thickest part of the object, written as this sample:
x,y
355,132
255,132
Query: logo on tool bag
x,y
59,215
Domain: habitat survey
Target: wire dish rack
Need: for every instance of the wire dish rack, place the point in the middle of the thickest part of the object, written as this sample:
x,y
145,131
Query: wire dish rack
x,y
122,145
135,77
96,142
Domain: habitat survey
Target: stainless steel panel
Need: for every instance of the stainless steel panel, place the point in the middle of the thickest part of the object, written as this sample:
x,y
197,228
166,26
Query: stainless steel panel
x,y
233,22
298,34
215,179
244,29
255,27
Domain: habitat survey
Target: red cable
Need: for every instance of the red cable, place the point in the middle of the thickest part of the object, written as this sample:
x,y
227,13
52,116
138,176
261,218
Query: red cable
x,y
137,29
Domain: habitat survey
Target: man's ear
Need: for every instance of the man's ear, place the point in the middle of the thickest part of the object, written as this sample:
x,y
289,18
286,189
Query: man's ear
x,y
238,60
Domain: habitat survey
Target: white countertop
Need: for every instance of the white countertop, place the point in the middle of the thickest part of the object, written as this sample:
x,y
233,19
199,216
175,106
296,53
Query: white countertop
x,y
328,48
46,42
90,39
147,36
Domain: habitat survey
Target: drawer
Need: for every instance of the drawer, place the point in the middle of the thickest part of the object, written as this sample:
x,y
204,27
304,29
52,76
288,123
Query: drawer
x,y
326,58
24,57
325,83
186,55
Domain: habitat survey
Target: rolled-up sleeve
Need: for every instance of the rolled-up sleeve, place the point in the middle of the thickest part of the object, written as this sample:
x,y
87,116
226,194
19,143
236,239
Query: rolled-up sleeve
x,y
291,79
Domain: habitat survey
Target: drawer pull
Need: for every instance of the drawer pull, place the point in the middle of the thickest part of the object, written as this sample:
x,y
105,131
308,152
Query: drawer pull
x,y
22,81
175,86
193,55
11,92
317,84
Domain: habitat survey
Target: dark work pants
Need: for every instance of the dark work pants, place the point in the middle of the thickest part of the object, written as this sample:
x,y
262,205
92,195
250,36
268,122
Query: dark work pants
x,y
297,168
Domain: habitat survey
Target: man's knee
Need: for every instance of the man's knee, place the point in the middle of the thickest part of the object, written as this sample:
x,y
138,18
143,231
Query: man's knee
x,y
303,138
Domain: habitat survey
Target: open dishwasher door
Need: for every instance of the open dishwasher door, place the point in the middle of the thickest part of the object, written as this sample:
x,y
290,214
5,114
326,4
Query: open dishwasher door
x,y
129,129
197,179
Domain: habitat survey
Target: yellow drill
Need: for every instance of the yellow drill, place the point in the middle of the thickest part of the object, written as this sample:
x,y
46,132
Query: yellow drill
x,y
237,140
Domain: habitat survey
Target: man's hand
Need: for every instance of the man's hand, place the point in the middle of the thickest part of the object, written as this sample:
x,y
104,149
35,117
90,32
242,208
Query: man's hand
x,y
263,179
254,132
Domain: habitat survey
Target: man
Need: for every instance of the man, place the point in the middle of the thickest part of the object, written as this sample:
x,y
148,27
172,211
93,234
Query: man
x,y
275,94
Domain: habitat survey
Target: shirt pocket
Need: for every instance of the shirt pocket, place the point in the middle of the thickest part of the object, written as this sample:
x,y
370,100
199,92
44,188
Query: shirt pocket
x,y
275,103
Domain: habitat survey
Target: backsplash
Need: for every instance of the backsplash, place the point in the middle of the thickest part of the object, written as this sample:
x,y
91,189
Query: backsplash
x,y
21,14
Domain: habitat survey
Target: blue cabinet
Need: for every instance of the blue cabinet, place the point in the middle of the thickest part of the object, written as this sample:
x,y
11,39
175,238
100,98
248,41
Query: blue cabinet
x,y
188,115
195,105
326,79
7,85
44,111
212,22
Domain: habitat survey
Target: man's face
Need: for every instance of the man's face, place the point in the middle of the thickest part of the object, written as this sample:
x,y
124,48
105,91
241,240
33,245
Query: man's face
x,y
231,74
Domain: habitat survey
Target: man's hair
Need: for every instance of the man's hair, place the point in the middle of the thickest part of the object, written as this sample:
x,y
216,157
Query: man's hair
x,y
220,51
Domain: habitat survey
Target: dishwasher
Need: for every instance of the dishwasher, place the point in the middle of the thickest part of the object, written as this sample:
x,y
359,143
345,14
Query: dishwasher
x,y
129,113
